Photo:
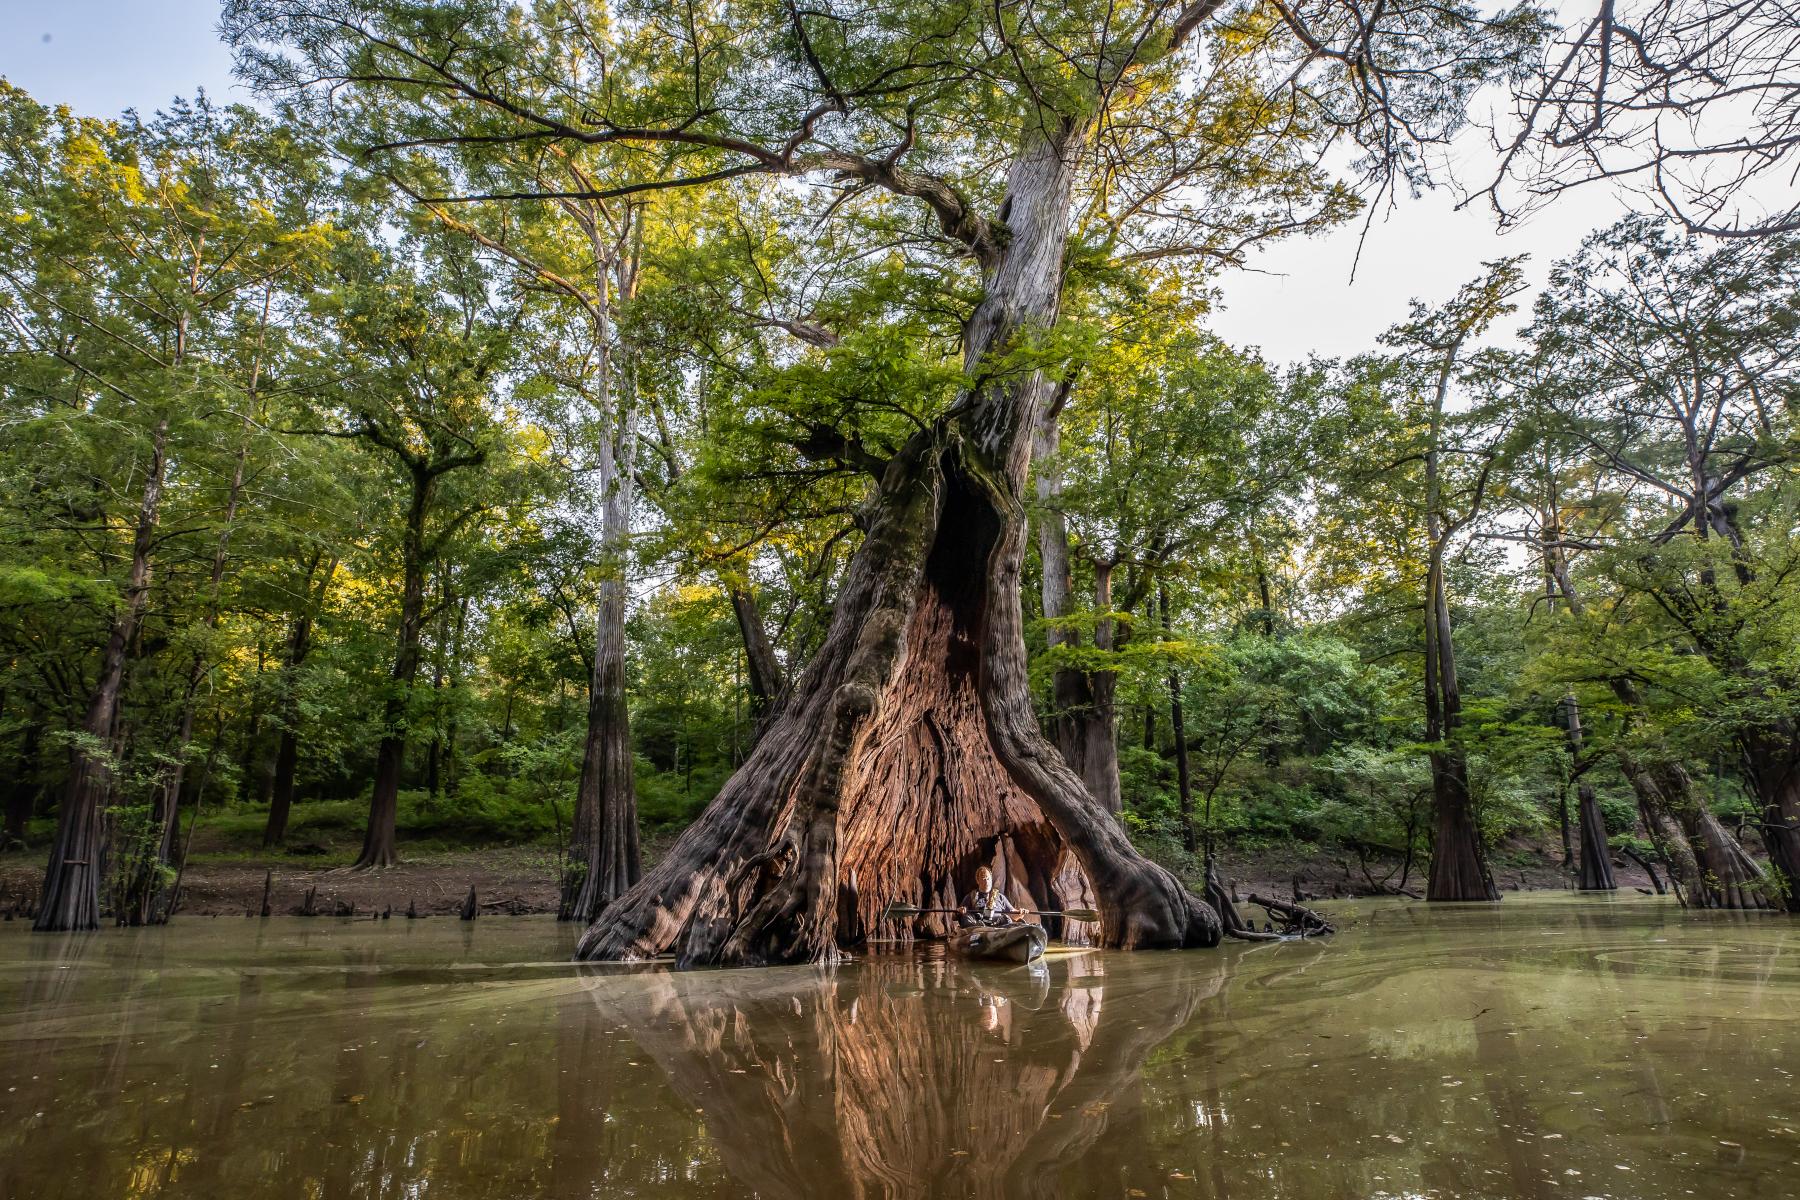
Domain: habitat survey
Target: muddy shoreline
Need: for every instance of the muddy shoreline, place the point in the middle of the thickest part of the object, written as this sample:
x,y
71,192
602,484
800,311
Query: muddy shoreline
x,y
520,880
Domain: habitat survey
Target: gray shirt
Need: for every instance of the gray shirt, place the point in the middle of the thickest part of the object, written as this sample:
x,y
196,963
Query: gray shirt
x,y
985,906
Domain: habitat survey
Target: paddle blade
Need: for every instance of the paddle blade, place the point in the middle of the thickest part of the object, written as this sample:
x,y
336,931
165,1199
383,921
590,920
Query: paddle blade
x,y
897,911
1081,914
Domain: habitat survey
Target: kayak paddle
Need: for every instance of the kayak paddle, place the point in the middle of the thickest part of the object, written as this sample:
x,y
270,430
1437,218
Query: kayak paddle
x,y
897,910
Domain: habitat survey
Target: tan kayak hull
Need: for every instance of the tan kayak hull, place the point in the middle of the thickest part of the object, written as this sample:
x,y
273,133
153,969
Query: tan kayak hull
x,y
1000,943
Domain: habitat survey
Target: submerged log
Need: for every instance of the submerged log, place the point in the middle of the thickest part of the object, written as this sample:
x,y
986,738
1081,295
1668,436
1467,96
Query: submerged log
x,y
1296,920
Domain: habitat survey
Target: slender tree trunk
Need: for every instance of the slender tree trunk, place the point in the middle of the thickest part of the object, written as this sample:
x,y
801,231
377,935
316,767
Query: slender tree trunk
x,y
379,841
1562,820
434,751
1594,872
71,898
453,721
287,753
603,858
605,842
909,752
762,667
23,788
281,801
144,890
250,754
1095,724
1178,726
1660,783
1459,869
1772,759
1085,719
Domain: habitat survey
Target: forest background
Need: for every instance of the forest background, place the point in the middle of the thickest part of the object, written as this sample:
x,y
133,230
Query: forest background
x,y
330,488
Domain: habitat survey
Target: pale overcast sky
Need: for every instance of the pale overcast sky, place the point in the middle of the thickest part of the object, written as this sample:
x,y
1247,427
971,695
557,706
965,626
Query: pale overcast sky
x,y
102,56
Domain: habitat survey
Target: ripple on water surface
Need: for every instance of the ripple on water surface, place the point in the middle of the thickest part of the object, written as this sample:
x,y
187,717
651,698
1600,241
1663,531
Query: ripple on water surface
x,y
1553,1046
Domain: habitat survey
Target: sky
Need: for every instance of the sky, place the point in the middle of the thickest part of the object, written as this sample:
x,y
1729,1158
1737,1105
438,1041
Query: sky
x,y
1295,299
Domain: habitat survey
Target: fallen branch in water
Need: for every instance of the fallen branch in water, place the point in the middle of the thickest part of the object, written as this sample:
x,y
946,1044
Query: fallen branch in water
x,y
1296,920
1233,923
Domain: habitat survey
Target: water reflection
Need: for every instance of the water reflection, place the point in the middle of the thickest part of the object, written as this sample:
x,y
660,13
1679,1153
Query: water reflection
x,y
1548,1049
906,1075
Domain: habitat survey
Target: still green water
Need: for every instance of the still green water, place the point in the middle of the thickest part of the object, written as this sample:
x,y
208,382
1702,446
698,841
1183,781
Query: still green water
x,y
1552,1046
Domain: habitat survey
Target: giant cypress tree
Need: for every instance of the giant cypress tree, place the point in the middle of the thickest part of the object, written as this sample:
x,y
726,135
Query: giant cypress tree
x,y
909,749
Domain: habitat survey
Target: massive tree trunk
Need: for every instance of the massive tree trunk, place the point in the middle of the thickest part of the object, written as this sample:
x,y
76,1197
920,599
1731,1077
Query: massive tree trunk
x,y
1771,748
1710,869
909,753
379,842
1593,871
71,897
1729,877
1084,717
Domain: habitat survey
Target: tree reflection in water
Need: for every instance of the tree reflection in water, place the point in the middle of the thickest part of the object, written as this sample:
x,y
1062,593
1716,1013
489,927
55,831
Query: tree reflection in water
x,y
905,1075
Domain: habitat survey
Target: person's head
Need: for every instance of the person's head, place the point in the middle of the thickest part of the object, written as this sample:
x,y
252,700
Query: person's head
x,y
984,879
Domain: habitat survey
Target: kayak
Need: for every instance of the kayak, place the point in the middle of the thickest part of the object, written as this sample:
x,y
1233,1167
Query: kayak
x,y
1000,943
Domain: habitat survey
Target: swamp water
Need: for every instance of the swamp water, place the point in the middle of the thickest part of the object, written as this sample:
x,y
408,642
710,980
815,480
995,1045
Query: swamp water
x,y
1552,1046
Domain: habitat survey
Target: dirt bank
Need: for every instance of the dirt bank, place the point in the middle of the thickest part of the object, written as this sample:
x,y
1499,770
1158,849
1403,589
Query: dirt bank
x,y
514,879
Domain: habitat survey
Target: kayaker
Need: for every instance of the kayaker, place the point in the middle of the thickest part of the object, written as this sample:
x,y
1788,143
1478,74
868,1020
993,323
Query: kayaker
x,y
986,905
